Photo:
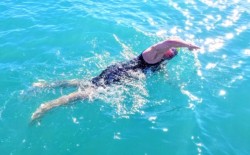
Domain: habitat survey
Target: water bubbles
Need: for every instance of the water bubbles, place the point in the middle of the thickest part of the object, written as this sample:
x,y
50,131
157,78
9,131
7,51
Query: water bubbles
x,y
198,64
222,92
175,5
232,18
151,21
209,22
191,106
173,31
246,52
197,143
190,95
161,32
188,22
45,147
74,119
227,23
224,56
117,136
165,129
127,98
210,66
210,17
58,53
214,44
21,92
127,51
38,123
234,66
218,18
199,73
229,36
152,118
236,78
240,29
199,150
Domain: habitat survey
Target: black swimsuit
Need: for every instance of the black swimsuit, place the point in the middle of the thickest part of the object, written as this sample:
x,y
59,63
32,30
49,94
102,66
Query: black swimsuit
x,y
114,73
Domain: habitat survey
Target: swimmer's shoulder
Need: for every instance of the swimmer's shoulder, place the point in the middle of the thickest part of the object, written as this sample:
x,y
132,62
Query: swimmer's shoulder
x,y
151,55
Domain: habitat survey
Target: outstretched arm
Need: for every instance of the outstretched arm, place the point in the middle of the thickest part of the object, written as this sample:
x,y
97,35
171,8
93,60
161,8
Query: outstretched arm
x,y
156,52
173,43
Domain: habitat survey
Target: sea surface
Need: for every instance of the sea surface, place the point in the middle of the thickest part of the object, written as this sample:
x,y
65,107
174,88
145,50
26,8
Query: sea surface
x,y
198,104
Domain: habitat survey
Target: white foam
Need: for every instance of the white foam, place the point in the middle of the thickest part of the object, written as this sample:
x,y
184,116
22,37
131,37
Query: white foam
x,y
246,52
240,77
190,95
126,99
198,64
117,136
214,44
152,118
127,51
161,32
234,66
229,35
240,29
210,66
151,21
75,120
227,23
191,106
173,31
224,56
165,129
222,92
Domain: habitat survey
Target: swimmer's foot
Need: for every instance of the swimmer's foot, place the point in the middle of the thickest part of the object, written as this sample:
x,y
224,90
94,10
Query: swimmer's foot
x,y
57,102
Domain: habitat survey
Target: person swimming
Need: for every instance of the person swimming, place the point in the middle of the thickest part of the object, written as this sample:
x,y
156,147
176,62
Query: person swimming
x,y
114,73
150,59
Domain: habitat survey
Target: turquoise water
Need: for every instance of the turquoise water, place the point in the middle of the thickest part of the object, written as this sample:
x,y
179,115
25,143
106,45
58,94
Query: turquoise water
x,y
198,104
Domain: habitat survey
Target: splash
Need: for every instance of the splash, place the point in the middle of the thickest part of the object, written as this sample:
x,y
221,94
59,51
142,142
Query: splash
x,y
198,64
192,98
246,52
210,66
222,92
127,98
127,52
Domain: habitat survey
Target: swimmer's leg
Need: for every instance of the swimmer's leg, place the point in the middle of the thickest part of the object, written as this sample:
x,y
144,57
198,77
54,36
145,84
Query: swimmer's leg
x,y
58,102
64,83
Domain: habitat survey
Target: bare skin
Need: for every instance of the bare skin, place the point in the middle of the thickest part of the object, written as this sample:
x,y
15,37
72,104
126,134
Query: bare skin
x,y
151,55
57,102
77,95
155,53
65,83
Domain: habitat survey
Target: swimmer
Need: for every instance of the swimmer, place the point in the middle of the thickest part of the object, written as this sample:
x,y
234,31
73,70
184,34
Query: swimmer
x,y
150,59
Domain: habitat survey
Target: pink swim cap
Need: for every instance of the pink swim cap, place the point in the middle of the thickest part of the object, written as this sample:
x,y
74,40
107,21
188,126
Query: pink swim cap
x,y
170,53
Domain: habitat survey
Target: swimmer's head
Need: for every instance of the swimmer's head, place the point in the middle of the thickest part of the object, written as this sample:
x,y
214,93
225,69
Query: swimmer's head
x,y
171,53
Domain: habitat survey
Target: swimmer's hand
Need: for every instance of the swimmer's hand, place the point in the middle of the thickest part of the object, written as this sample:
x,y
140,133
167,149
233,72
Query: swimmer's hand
x,y
192,47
